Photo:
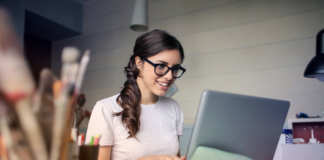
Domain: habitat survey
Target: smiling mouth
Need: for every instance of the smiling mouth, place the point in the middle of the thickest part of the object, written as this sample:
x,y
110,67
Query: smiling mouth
x,y
163,84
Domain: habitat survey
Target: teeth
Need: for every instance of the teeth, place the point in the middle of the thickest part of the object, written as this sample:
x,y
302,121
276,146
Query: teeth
x,y
163,84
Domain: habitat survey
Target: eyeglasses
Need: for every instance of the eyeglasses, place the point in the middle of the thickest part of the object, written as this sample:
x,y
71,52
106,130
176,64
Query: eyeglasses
x,y
162,69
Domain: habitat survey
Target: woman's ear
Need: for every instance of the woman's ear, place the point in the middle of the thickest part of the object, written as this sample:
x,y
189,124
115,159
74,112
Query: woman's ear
x,y
138,63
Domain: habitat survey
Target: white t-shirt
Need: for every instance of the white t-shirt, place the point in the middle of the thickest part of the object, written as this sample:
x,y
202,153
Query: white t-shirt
x,y
160,125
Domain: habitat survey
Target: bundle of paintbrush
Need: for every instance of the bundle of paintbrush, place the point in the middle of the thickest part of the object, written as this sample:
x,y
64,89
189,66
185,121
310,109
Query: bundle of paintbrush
x,y
65,93
36,123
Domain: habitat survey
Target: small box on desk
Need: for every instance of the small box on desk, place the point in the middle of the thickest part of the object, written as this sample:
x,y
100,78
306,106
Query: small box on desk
x,y
302,128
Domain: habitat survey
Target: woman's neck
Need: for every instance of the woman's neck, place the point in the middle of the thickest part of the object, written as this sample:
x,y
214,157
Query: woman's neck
x,y
147,97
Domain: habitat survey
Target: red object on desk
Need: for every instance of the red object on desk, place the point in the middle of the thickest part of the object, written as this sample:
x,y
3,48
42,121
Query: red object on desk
x,y
304,130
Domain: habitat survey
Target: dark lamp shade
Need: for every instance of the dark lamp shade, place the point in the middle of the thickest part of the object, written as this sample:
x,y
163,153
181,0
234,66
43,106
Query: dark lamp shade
x,y
315,67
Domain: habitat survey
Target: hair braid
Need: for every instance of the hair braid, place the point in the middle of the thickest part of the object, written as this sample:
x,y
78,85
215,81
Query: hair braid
x,y
129,99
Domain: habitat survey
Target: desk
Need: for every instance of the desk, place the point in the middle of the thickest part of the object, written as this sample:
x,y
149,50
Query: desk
x,y
303,152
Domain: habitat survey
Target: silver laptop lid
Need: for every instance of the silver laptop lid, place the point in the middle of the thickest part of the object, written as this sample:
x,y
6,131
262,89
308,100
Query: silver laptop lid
x,y
245,125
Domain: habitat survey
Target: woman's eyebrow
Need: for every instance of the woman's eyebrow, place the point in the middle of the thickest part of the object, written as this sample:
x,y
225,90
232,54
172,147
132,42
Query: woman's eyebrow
x,y
176,65
166,63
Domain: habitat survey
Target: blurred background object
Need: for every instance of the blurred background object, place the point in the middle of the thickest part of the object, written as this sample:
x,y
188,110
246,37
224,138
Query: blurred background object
x,y
17,87
36,121
315,68
80,112
42,104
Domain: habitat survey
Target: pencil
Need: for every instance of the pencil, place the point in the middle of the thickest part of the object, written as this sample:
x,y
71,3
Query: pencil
x,y
92,140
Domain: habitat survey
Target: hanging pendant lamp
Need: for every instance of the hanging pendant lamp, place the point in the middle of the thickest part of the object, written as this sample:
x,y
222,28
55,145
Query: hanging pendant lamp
x,y
139,19
315,68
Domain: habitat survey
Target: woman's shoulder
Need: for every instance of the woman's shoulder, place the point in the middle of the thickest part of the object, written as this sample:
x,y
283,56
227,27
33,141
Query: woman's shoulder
x,y
111,99
109,103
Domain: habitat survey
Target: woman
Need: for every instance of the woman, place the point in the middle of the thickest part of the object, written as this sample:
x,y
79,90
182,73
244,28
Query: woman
x,y
139,123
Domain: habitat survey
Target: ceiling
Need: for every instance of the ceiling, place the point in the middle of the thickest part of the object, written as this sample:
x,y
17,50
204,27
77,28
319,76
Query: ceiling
x,y
85,1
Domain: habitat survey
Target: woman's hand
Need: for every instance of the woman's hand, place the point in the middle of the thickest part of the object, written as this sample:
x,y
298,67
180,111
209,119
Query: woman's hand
x,y
163,157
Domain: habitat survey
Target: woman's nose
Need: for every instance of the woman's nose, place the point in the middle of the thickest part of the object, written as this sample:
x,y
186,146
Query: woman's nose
x,y
168,75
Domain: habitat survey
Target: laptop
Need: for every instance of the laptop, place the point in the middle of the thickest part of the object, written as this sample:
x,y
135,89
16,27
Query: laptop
x,y
240,124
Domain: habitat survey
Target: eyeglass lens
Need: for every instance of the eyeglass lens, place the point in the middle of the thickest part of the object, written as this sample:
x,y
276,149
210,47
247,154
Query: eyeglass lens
x,y
163,69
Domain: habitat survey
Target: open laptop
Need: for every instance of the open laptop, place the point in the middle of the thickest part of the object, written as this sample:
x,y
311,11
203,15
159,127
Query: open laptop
x,y
245,125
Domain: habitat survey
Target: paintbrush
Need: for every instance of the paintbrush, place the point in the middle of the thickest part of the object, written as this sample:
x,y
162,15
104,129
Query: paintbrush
x,y
43,106
78,82
15,140
17,86
83,66
70,66
63,101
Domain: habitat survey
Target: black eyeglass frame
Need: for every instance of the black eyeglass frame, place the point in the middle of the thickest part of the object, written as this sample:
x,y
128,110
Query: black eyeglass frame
x,y
172,68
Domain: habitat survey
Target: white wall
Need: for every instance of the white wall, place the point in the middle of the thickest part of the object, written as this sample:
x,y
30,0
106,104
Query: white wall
x,y
253,47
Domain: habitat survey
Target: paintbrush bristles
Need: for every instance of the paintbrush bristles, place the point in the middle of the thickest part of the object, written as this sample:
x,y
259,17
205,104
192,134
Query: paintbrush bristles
x,y
14,71
86,53
83,65
8,37
70,54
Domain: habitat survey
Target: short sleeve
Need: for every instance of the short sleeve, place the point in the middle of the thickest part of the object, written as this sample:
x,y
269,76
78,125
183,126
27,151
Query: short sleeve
x,y
179,119
100,123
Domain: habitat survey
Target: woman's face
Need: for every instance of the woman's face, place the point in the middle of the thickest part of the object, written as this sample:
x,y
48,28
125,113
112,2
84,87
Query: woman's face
x,y
159,85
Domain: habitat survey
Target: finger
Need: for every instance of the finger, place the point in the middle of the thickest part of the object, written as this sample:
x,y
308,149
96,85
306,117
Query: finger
x,y
183,158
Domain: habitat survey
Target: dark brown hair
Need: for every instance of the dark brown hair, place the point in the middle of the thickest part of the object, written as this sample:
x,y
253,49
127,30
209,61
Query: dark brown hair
x,y
146,45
